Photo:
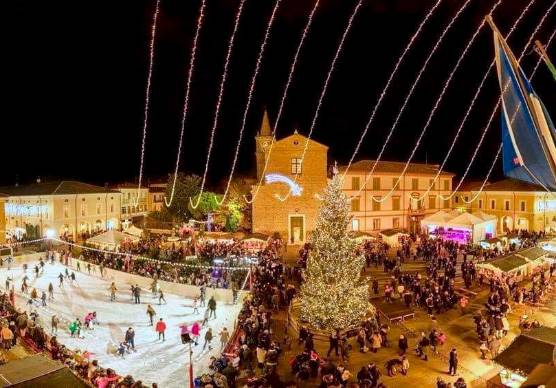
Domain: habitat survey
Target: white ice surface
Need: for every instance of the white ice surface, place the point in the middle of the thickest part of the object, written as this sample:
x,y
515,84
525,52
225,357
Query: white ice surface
x,y
166,363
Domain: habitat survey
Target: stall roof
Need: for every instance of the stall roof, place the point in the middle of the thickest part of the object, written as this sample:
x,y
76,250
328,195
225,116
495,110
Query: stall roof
x,y
543,374
508,263
392,232
484,216
532,253
466,219
518,356
111,237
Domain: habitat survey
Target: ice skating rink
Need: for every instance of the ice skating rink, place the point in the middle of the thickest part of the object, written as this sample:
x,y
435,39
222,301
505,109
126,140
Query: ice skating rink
x,y
166,363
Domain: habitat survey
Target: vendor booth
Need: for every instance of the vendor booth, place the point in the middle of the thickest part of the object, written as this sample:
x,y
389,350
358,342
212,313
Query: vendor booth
x,y
526,352
392,236
255,242
519,264
134,231
111,239
463,228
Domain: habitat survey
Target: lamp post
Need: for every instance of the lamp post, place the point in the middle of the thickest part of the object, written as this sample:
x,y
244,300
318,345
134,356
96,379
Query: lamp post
x,y
191,385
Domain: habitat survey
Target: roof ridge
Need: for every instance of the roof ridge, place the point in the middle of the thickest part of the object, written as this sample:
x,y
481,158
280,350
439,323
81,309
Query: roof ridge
x,y
57,187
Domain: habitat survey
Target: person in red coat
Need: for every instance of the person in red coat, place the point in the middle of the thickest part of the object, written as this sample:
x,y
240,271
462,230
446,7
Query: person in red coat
x,y
160,329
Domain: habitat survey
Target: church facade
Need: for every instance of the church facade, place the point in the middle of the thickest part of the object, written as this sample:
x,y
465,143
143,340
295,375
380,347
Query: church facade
x,y
287,199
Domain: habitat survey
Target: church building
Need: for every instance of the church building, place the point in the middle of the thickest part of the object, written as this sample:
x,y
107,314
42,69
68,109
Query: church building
x,y
273,210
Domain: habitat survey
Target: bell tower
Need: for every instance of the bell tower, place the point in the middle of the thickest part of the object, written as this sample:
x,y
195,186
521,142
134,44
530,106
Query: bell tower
x,y
263,141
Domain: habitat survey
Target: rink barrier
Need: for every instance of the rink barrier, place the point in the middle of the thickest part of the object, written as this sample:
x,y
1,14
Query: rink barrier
x,y
186,290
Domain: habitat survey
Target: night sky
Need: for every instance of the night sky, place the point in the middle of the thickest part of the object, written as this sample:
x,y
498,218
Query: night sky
x,y
74,76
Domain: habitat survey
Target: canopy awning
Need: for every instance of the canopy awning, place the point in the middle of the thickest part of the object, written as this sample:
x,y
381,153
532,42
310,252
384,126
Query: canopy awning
x,y
111,238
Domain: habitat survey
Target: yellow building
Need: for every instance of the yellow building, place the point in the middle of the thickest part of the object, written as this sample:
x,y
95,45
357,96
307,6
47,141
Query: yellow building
x,y
518,205
3,198
134,202
155,196
295,217
60,208
401,208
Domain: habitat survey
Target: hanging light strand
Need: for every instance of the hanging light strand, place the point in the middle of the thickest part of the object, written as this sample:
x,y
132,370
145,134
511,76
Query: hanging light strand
x,y
389,81
437,104
323,93
249,99
219,103
186,99
283,100
148,96
495,110
407,98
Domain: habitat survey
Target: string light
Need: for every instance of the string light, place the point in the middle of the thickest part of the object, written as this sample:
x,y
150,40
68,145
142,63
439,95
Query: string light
x,y
486,177
143,258
283,100
219,102
390,78
186,99
249,98
147,96
494,111
409,94
437,104
323,92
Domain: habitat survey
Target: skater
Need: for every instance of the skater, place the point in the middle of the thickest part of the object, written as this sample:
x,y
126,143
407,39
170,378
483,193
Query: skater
x,y
101,269
130,337
151,313
224,337
161,329
161,297
234,294
89,268
78,266
453,362
50,291
34,294
112,290
43,299
67,273
195,332
137,294
195,305
36,271
212,307
54,324
75,328
122,349
202,297
206,317
61,277
184,334
73,278
208,339
8,283
154,288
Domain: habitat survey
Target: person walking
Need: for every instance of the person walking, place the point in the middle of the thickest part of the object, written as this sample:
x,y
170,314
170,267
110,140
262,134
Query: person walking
x,y
208,339
130,337
161,329
224,337
151,313
402,344
212,307
333,341
7,337
453,362
405,365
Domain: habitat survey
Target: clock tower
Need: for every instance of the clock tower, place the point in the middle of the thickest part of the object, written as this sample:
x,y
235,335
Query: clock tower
x,y
263,141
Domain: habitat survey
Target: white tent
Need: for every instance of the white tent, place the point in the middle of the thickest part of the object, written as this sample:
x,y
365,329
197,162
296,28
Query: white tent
x,y
134,231
111,239
477,226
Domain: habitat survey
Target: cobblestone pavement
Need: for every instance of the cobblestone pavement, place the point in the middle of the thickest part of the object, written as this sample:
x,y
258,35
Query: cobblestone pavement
x,y
460,331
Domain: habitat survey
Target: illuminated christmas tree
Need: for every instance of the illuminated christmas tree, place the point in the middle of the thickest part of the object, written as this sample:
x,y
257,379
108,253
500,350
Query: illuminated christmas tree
x,y
334,295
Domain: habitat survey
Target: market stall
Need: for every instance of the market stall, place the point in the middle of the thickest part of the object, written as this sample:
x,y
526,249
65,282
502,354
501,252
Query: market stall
x,y
111,239
392,236
519,264
460,227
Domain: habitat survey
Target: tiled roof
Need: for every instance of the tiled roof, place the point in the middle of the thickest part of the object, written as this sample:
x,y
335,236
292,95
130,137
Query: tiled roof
x,y
502,185
395,167
54,188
